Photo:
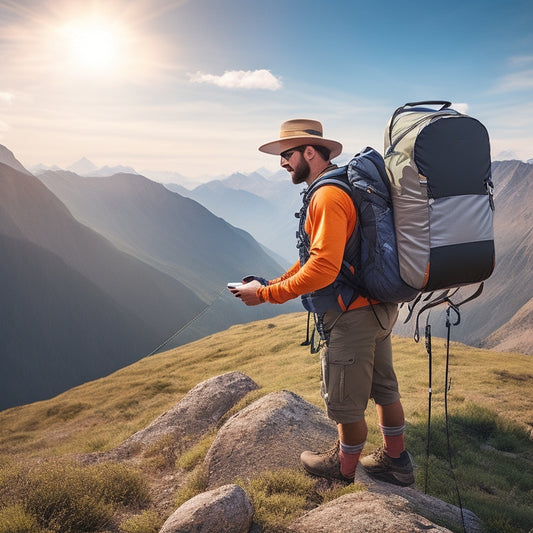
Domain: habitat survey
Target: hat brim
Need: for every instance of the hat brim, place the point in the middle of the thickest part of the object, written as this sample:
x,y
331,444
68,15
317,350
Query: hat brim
x,y
282,145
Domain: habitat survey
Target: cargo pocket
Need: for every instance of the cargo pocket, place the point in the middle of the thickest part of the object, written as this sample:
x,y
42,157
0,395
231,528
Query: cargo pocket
x,y
334,370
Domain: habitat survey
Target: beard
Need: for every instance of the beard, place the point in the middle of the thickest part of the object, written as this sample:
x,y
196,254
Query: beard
x,y
301,172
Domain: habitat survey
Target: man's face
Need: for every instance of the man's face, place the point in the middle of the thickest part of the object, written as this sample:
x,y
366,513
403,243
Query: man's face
x,y
295,164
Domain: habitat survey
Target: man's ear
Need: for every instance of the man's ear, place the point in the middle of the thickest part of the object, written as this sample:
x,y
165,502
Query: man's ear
x,y
309,153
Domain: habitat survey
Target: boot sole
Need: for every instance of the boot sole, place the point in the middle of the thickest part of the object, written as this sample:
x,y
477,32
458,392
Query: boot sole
x,y
324,476
396,478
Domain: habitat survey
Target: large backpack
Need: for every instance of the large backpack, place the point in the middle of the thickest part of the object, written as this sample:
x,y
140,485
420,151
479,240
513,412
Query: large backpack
x,y
424,211
438,162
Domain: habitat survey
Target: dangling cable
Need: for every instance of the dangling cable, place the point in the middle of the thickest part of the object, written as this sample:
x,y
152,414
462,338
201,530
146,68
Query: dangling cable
x,y
174,335
307,340
449,324
430,392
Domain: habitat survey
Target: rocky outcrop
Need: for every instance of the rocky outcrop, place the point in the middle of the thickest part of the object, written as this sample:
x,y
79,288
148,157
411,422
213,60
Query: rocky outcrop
x,y
269,434
432,508
364,512
196,413
226,509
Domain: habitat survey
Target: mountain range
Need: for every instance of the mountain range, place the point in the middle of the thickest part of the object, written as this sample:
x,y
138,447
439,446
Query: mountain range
x,y
264,207
80,302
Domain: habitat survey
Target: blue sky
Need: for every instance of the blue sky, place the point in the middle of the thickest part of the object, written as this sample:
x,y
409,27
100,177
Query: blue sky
x,y
196,86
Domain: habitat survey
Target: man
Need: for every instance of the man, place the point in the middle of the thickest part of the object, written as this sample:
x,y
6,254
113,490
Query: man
x,y
357,357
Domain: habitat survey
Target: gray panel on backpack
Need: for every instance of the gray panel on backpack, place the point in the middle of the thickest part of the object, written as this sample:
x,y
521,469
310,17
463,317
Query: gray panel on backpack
x,y
459,220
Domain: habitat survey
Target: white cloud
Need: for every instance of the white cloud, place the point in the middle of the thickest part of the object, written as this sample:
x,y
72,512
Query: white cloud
x,y
521,77
240,79
461,107
521,60
517,81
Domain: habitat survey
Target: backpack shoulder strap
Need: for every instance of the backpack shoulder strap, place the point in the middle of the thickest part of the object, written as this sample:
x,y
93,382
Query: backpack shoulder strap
x,y
337,177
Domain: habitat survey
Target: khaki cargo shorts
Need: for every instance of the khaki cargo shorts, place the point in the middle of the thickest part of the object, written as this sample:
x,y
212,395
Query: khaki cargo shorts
x,y
357,361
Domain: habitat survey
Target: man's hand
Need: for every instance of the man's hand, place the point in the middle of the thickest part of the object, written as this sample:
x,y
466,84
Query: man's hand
x,y
248,293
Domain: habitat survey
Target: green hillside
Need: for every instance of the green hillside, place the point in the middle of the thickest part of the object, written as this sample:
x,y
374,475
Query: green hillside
x,y
490,405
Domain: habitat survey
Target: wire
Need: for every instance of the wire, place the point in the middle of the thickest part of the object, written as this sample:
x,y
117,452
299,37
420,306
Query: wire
x,y
447,383
179,331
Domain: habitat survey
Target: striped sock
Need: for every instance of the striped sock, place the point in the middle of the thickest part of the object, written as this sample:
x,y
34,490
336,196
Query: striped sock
x,y
349,457
393,443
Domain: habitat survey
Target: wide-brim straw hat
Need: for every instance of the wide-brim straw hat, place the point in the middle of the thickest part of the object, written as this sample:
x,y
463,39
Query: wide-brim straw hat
x,y
301,132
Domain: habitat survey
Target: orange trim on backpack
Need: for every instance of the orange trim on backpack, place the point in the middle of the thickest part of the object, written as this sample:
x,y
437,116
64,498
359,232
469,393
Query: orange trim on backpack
x,y
426,275
341,303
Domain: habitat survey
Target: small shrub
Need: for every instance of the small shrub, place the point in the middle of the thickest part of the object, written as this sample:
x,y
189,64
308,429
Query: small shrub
x,y
162,454
280,496
61,499
67,497
15,519
146,522
119,484
193,456
196,484
336,492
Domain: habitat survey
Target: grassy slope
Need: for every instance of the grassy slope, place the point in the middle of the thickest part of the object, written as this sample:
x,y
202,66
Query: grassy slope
x,y
99,415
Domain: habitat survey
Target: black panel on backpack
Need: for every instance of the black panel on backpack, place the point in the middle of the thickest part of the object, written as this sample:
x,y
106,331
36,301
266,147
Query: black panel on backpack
x,y
460,264
453,154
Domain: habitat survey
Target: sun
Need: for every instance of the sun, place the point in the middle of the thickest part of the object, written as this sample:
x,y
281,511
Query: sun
x,y
93,45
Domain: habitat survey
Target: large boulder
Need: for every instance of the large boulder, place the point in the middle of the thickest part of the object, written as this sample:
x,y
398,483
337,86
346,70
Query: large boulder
x,y
226,509
429,506
195,414
269,434
364,512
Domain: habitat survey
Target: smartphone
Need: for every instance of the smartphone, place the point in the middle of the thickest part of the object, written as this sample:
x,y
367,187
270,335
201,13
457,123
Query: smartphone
x,y
234,285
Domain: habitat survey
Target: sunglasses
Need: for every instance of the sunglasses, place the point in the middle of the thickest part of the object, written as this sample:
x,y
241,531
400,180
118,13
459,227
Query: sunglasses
x,y
288,154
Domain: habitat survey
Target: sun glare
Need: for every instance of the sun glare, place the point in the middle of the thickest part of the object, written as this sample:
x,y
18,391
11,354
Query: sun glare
x,y
94,46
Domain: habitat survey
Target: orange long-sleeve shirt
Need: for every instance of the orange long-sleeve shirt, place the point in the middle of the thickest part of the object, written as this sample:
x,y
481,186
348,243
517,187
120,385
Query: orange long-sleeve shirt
x,y
330,221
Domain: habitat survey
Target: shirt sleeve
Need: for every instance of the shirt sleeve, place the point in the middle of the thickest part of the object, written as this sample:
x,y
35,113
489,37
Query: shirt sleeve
x,y
330,222
294,268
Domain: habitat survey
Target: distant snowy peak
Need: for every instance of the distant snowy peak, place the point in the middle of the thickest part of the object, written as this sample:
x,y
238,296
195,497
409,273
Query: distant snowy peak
x,y
41,168
85,167
82,167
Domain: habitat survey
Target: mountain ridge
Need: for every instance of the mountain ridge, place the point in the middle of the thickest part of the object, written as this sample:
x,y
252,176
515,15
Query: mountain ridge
x,y
46,243
150,288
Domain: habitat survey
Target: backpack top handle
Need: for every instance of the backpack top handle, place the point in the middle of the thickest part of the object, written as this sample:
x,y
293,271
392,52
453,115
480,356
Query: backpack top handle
x,y
443,103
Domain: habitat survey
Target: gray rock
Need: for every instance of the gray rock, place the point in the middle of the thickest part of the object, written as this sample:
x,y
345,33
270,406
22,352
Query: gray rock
x,y
226,509
197,412
364,512
269,434
429,506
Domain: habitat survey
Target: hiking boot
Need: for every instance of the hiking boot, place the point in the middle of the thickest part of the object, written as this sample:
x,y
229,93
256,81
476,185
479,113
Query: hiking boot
x,y
324,464
381,466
